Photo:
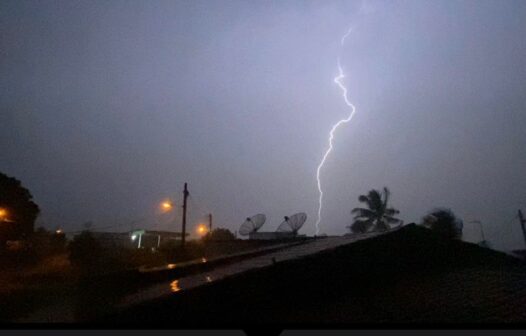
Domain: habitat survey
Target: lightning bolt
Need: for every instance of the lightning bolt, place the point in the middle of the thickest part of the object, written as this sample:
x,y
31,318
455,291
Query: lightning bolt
x,y
339,81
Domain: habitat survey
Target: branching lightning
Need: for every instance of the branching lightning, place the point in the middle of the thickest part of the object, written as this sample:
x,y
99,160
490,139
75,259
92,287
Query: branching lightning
x,y
339,81
345,36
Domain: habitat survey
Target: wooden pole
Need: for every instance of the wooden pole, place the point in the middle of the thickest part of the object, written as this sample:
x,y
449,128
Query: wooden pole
x,y
185,196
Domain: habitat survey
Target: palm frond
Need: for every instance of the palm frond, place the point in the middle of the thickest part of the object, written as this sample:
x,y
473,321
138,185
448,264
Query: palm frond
x,y
367,200
363,198
386,196
391,211
391,220
375,200
362,218
382,226
362,212
361,226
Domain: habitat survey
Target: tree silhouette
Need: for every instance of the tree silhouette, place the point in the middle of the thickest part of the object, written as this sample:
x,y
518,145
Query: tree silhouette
x,y
18,211
444,222
45,243
377,216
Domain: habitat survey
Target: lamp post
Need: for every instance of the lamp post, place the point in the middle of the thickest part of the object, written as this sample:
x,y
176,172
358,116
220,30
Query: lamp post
x,y
185,196
202,230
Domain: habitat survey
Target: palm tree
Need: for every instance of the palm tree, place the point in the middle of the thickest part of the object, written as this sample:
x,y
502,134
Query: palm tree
x,y
377,216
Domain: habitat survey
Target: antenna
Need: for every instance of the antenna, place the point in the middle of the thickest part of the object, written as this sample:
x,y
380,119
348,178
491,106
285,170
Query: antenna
x,y
293,223
252,224
523,222
476,221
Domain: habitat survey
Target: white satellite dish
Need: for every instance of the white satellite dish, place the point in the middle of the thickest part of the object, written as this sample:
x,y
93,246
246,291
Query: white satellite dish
x,y
293,223
252,224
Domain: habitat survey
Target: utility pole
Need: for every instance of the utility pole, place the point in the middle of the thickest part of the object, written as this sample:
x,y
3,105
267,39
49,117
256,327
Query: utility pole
x,y
523,223
185,196
210,222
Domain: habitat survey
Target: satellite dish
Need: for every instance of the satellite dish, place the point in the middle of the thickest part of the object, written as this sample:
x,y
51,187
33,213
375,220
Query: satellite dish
x,y
252,224
293,223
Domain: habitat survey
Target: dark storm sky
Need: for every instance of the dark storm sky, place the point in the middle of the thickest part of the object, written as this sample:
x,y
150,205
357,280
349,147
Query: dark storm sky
x,y
108,107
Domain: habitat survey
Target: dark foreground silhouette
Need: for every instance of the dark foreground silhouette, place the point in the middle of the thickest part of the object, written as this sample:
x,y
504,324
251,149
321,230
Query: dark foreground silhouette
x,y
411,275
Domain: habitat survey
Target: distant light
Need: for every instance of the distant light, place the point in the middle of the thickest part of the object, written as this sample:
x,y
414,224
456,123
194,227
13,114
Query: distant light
x,y
166,206
174,286
171,266
3,213
203,260
133,237
59,231
202,229
208,278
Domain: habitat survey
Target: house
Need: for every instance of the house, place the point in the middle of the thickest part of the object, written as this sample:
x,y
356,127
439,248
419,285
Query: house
x,y
112,239
136,238
153,239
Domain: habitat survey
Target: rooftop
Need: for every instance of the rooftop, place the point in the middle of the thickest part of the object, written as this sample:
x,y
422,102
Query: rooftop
x,y
407,275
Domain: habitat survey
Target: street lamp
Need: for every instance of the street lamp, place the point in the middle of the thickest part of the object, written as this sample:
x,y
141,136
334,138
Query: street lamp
x,y
3,212
202,229
167,206
3,215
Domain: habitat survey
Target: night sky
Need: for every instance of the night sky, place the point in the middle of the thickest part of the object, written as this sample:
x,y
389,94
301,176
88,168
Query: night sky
x,y
108,107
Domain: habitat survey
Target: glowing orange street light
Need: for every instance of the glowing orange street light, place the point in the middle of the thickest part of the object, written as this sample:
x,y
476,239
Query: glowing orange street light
x,y
202,229
3,214
167,206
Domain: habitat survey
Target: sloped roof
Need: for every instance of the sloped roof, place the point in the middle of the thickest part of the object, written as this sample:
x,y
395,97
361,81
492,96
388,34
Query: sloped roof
x,y
520,253
405,276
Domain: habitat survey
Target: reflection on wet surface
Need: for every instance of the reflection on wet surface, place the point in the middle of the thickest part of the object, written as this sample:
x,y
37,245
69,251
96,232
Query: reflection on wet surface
x,y
220,257
174,286
220,272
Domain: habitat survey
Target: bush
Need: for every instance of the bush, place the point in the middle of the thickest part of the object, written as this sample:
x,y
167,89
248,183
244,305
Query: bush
x,y
220,234
444,222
